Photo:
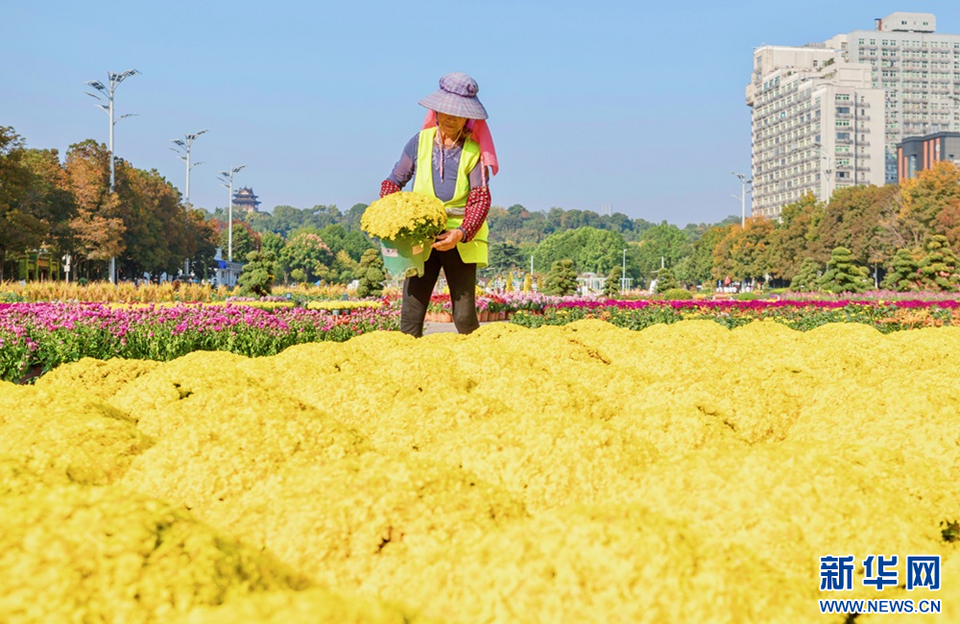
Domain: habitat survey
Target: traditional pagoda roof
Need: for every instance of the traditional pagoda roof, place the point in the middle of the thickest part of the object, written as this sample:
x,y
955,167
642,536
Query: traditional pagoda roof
x,y
246,198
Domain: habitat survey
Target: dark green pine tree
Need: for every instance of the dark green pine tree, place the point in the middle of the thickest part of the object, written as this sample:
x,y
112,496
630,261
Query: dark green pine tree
x,y
370,274
938,269
562,279
807,278
903,275
843,274
258,273
665,281
611,287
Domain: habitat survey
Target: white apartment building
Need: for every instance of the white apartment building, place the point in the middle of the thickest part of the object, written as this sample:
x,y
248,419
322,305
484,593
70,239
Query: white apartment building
x,y
918,70
817,125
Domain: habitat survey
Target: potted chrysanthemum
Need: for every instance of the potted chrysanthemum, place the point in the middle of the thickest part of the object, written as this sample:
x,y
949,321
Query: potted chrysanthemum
x,y
406,224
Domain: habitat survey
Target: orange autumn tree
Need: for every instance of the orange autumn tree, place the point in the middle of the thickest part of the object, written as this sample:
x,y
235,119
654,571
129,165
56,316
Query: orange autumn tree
x,y
797,235
745,252
922,199
98,228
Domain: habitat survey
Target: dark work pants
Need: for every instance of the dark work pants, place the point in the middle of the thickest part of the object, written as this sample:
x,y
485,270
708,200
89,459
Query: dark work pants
x,y
462,280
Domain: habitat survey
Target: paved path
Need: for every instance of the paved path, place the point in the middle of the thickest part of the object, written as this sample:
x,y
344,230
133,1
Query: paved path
x,y
439,328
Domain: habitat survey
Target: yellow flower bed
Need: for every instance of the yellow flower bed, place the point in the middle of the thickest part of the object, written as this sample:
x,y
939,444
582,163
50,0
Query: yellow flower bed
x,y
404,215
583,473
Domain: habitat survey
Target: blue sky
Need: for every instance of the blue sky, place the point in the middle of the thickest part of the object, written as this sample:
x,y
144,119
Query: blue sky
x,y
591,104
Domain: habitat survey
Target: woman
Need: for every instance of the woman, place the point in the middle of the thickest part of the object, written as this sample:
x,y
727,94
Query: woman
x,y
448,159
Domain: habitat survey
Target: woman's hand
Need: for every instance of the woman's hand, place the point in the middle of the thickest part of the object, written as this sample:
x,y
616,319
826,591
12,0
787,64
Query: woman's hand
x,y
448,240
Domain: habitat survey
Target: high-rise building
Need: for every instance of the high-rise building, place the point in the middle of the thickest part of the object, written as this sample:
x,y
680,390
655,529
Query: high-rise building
x,y
816,125
918,70
817,121
922,152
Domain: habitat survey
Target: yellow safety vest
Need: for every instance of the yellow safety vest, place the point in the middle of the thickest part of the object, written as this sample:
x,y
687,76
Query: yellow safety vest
x,y
474,252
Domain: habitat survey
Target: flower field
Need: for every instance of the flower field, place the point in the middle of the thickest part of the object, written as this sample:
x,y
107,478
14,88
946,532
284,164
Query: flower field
x,y
44,335
802,314
576,473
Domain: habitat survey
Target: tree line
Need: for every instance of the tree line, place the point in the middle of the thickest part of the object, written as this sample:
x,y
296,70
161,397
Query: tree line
x,y
67,207
891,235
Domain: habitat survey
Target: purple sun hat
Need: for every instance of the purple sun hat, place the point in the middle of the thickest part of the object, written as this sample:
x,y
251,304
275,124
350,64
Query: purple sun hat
x,y
456,96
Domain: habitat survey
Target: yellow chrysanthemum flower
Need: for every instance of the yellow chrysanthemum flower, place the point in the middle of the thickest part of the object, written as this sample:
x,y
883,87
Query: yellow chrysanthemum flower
x,y
405,215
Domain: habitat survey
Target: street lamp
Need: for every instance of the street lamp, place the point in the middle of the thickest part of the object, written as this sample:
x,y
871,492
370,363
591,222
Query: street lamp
x,y
956,109
106,98
226,177
743,197
183,152
828,170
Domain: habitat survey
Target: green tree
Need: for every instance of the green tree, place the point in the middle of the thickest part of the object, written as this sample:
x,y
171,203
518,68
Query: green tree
x,y
807,279
202,243
245,240
701,254
22,225
271,241
611,287
664,243
298,275
305,250
589,248
665,281
797,235
155,237
504,256
258,274
48,197
904,273
938,268
351,220
344,267
843,274
370,274
562,279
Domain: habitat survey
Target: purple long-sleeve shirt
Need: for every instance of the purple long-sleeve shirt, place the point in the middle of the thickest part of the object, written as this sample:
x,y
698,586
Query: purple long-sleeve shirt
x,y
443,188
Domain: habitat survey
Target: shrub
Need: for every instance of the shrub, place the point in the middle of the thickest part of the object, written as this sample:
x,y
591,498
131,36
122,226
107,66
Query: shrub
x,y
807,279
938,269
258,273
562,279
903,275
677,294
843,275
665,281
611,288
370,274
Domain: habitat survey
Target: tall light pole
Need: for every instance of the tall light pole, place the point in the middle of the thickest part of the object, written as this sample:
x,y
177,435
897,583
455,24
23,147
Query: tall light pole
x,y
956,110
828,171
106,98
183,152
226,177
743,197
